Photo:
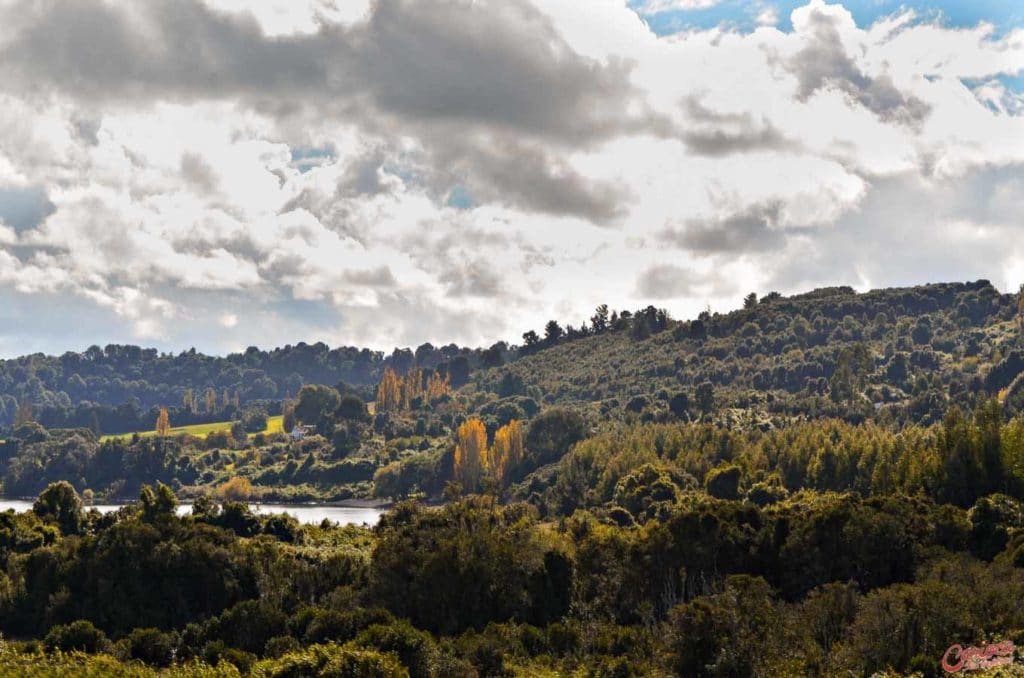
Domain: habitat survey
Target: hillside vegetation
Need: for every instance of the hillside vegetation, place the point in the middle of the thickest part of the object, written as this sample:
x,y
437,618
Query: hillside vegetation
x,y
819,485
901,355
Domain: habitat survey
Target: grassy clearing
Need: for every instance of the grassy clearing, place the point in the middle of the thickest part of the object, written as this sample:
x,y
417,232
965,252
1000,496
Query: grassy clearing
x,y
274,425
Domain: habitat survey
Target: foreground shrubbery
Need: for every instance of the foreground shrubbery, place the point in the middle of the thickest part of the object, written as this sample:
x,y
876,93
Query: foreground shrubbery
x,y
316,661
816,583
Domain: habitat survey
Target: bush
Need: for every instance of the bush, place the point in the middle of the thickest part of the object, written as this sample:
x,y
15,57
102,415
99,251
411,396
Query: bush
x,y
216,651
767,492
552,433
254,420
79,635
236,489
151,646
331,661
59,503
352,408
281,645
249,626
415,648
723,482
680,405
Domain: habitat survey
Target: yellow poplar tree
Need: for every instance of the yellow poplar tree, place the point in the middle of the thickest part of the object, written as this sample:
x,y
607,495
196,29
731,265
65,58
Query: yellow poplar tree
x,y
437,387
508,451
163,422
470,454
412,387
211,400
389,392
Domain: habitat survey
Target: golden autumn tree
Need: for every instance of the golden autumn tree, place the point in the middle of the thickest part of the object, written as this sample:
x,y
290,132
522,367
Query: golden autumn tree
x,y
471,454
507,452
389,392
235,489
210,398
412,387
437,387
163,422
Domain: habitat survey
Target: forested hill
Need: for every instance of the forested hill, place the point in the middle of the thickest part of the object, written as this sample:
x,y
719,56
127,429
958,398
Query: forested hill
x,y
128,382
902,353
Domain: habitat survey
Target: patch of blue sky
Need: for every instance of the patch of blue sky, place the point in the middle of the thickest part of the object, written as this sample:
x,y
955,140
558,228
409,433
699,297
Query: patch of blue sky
x,y
741,15
24,208
1014,83
460,198
306,158
409,175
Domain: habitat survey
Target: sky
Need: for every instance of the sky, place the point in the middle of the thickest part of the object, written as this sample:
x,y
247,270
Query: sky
x,y
220,174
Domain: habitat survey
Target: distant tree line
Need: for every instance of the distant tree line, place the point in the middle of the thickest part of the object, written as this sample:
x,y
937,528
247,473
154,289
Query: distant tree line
x,y
54,387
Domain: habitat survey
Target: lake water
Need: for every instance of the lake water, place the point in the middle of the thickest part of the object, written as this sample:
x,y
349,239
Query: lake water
x,y
310,514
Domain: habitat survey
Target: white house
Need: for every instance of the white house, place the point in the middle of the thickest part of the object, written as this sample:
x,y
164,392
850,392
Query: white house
x,y
300,432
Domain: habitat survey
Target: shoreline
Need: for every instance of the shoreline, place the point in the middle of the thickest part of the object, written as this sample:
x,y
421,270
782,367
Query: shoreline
x,y
377,504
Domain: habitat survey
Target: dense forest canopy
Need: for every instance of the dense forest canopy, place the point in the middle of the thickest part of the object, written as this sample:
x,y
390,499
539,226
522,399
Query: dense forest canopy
x,y
913,348
125,383
818,485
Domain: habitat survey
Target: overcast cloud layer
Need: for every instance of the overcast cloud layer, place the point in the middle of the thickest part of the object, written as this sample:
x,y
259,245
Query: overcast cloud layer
x,y
220,173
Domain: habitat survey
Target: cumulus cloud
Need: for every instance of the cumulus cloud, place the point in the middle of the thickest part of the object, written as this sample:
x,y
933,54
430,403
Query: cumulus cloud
x,y
213,172
824,62
912,229
713,133
474,82
752,229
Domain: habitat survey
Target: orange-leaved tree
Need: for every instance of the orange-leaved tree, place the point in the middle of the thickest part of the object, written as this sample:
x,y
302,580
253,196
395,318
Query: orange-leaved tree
x,y
507,452
438,387
389,392
471,454
412,387
235,489
163,422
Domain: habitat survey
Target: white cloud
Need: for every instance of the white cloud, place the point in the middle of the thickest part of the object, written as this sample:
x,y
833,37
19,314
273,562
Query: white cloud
x,y
767,16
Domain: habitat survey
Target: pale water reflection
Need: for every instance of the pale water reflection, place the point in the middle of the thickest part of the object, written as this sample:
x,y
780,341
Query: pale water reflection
x,y
309,514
